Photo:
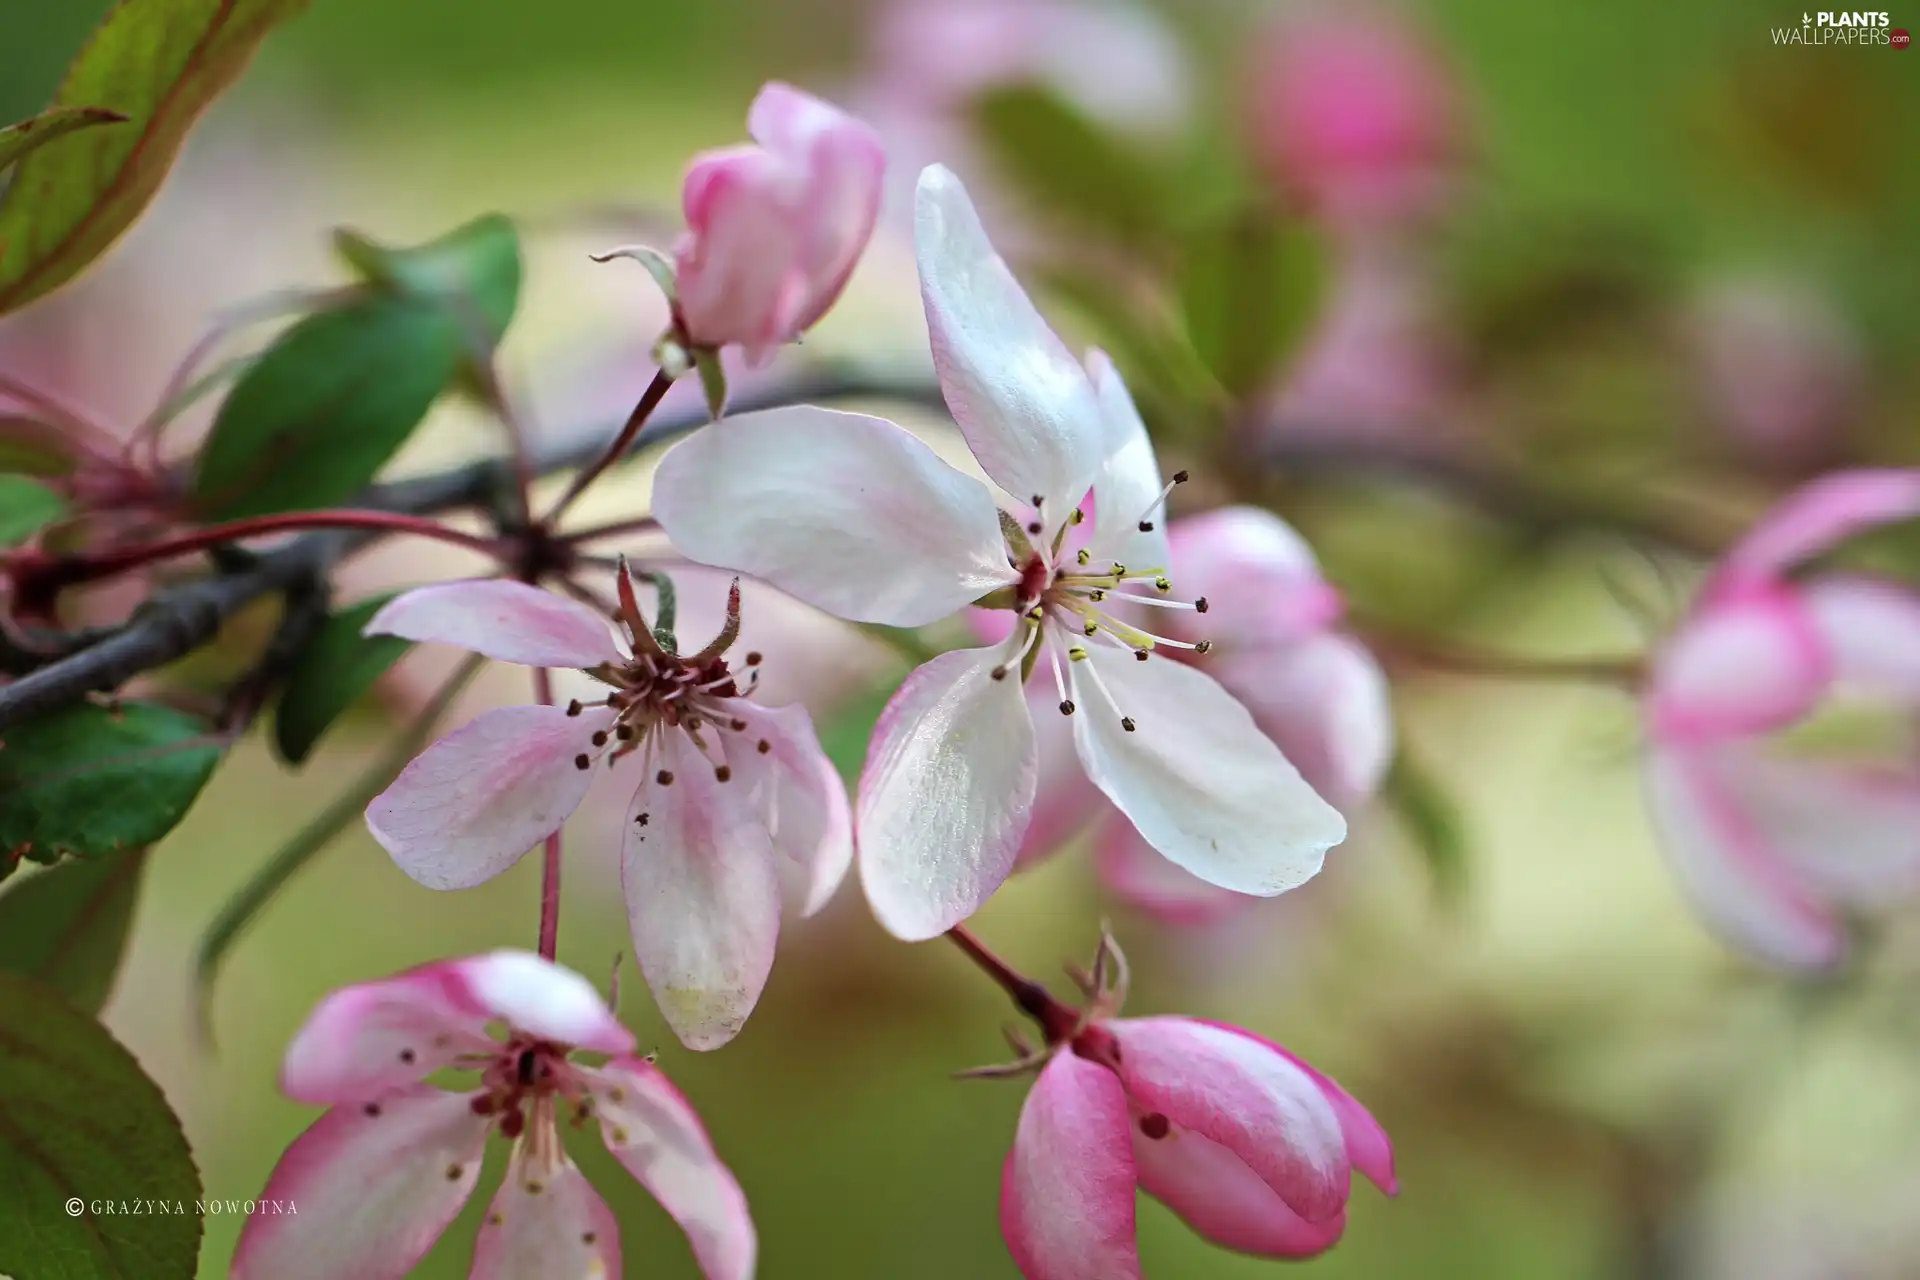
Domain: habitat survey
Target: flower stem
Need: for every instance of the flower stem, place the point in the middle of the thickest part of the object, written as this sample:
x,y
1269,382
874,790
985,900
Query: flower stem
x,y
639,524
649,401
1029,996
550,868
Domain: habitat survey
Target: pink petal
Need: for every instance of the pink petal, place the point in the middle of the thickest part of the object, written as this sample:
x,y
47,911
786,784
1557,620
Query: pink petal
x,y
365,1039
1141,878
471,804
1871,629
546,1224
1127,486
653,1131
1739,666
1261,581
1066,1194
1325,703
946,793
1236,1091
703,892
801,793
1815,518
375,1185
1724,865
1215,1193
1197,777
510,621
1023,402
849,513
736,271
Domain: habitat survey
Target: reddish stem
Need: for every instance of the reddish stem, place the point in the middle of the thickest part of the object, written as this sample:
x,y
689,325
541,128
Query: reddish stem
x,y
639,524
1033,999
649,401
550,868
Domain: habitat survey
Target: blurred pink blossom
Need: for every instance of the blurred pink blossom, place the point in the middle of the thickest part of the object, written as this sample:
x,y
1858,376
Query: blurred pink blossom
x,y
1773,848
775,229
379,1177
1353,113
712,820
1779,371
1253,1148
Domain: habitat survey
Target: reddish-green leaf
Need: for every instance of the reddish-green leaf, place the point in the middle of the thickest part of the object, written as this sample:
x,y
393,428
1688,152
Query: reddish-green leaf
x,y
16,140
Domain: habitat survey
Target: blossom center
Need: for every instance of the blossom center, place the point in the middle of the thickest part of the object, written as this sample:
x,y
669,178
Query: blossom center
x,y
527,1075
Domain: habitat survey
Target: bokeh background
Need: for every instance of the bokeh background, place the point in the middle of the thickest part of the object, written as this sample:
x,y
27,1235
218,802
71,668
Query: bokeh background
x,y
1667,268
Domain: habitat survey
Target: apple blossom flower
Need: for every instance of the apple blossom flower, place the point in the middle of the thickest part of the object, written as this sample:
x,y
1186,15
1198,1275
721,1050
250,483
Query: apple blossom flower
x,y
1314,690
775,228
1774,847
1352,113
854,515
380,1176
729,789
1249,1145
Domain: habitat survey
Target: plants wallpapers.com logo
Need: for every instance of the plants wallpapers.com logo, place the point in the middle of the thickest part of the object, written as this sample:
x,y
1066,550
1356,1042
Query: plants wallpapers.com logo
x,y
1853,28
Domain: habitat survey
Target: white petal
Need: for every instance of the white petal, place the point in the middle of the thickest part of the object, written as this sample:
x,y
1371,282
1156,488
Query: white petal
x,y
1199,780
848,513
1128,479
473,803
1872,630
533,994
1023,402
801,794
703,894
653,1131
374,1185
546,1224
510,621
946,793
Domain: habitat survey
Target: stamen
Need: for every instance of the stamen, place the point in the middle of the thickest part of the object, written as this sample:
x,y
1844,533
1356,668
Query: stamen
x,y
1000,672
1100,686
1146,517
1078,517
1059,680
574,708
1084,557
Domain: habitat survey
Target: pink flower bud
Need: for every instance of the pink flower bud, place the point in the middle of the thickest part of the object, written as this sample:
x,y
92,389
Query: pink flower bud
x,y
1353,114
774,229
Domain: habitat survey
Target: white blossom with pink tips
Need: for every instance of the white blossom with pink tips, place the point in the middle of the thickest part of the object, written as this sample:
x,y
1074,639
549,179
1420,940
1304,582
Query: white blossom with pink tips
x,y
774,229
382,1174
856,516
1253,1148
732,796
1775,846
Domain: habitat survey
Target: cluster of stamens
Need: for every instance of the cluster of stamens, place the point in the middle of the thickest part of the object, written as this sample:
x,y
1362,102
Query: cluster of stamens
x,y
1074,598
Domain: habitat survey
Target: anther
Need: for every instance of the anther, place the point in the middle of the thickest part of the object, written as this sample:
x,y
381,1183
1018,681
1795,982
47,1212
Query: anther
x,y
600,737
664,777
753,658
1084,556
738,724
1091,627
1097,595
1066,707
1162,583
1140,655
407,1056
624,732
763,746
1034,527
1039,500
582,762
722,773
1126,722
372,1110
482,1105
1077,653
1146,526
999,672
587,1237
453,1173
1078,517
1181,477
1200,605
574,708
1155,1126
1205,646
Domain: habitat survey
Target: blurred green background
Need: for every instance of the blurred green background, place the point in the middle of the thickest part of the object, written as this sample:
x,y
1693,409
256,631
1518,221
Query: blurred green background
x,y
1579,1081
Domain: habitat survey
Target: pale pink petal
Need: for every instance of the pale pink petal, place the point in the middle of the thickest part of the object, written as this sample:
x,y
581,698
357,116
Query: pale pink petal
x,y
1127,486
1725,867
533,994
1238,1092
800,792
703,893
1201,782
1849,833
653,1131
848,513
1023,402
1872,631
473,803
1747,664
1325,703
1259,577
1065,800
510,621
1141,878
946,793
1066,1194
1816,517
367,1039
375,1184
546,1224
1215,1193
737,270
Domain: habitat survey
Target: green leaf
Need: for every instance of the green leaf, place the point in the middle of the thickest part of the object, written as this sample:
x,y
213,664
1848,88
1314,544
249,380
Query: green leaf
x,y
1434,822
474,270
67,926
90,781
80,1121
1173,388
26,508
16,140
317,416
157,63
844,734
1250,288
1068,164
337,666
